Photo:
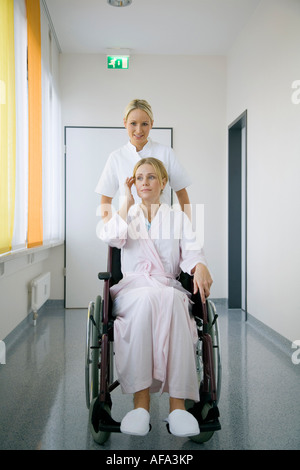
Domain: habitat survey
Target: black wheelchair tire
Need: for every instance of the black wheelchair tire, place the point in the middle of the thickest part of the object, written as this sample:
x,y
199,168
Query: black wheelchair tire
x,y
93,350
99,437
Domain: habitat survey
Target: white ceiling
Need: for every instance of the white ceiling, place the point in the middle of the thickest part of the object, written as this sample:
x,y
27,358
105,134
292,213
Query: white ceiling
x,y
201,27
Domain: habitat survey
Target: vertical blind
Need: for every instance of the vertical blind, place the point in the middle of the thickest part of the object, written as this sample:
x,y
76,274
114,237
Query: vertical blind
x,y
21,186
7,124
35,188
31,163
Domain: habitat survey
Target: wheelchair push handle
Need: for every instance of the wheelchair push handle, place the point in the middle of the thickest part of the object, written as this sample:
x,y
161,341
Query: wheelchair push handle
x,y
204,313
104,276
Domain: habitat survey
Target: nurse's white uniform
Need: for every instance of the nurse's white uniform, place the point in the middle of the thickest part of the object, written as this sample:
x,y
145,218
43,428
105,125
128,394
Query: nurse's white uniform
x,y
155,335
121,162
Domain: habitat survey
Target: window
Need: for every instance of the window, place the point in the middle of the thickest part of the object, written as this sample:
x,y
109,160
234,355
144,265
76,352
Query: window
x,y
16,182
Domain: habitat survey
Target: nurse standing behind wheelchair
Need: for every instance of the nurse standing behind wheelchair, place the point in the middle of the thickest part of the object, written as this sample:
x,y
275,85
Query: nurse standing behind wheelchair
x,y
138,120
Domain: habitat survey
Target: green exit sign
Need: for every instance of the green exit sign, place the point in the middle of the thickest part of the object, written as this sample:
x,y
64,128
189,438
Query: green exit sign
x,y
117,62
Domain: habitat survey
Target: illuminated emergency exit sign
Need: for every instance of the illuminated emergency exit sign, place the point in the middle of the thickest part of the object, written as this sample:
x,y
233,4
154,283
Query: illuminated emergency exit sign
x,y
117,62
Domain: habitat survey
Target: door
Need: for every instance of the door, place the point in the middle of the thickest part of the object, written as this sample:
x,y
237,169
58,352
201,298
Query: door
x,y
237,213
86,152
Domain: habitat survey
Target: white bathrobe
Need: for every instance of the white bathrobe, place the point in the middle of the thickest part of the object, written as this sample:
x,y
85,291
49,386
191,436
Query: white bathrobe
x,y
154,333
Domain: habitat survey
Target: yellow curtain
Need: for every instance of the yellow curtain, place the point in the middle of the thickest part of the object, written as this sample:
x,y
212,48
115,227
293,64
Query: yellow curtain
x,y
7,125
35,189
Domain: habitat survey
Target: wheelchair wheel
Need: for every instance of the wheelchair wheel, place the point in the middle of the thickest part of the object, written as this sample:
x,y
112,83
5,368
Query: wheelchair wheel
x,y
213,331
92,353
99,436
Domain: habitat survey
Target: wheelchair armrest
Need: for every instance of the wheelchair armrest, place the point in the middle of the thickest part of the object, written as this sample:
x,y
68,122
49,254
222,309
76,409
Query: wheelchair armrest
x,y
104,276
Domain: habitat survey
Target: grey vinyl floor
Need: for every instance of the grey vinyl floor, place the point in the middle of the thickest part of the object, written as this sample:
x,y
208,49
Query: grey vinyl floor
x,y
42,391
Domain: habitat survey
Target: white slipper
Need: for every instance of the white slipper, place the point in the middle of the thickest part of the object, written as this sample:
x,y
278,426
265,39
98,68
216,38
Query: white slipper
x,y
183,424
136,422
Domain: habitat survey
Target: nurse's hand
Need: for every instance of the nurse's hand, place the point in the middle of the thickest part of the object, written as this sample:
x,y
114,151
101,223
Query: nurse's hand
x,y
202,281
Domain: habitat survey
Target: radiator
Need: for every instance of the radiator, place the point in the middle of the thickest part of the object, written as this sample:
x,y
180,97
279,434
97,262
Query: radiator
x,y
40,292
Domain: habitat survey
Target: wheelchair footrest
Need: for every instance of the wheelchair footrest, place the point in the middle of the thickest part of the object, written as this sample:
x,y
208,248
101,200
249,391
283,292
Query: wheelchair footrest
x,y
210,426
108,424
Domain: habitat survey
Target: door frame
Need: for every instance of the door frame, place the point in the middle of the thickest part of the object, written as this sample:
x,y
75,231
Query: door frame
x,y
237,213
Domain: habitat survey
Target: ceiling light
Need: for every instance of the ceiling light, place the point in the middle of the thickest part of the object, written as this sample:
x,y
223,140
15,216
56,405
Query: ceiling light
x,y
119,3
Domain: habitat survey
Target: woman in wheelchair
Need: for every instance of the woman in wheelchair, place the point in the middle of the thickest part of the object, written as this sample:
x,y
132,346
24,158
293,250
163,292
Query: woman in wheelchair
x,y
154,332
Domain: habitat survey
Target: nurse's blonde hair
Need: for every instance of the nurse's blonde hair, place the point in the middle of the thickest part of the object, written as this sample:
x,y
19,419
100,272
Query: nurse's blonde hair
x,y
138,104
158,166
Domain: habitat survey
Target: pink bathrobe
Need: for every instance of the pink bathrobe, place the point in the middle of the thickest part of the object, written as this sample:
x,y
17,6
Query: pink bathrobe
x,y
154,333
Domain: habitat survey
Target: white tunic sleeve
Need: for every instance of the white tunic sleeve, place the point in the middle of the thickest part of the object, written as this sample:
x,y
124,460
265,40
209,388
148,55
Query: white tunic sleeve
x,y
191,250
178,177
114,232
108,183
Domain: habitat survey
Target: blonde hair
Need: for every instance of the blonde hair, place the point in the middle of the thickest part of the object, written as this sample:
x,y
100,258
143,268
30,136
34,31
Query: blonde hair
x,y
158,166
138,104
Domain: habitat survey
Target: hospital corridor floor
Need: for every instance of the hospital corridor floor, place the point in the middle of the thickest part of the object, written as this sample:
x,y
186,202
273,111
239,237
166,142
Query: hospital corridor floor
x,y
42,390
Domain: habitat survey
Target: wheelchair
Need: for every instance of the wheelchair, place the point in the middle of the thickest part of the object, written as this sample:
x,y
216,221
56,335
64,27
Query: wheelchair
x,y
99,381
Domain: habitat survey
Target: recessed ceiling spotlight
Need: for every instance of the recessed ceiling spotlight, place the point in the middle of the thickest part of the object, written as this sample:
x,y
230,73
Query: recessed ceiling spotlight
x,y
119,3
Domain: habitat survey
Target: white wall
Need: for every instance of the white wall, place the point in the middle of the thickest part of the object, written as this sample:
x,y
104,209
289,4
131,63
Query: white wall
x,y
186,93
16,274
262,66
